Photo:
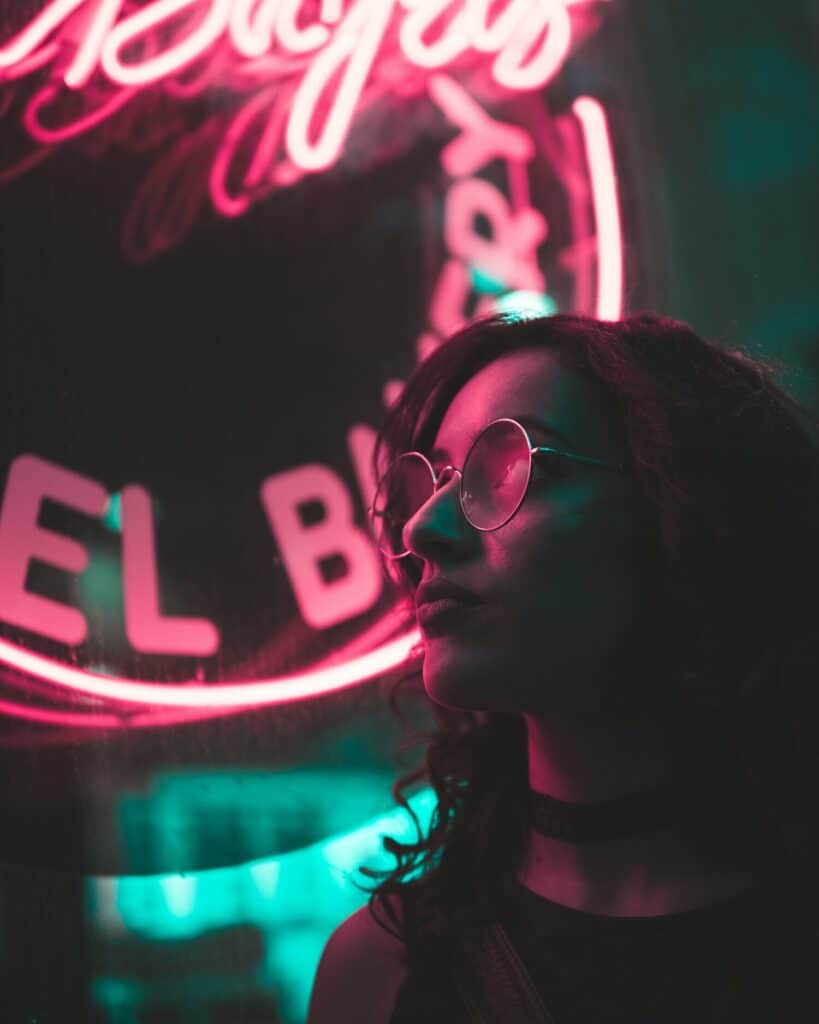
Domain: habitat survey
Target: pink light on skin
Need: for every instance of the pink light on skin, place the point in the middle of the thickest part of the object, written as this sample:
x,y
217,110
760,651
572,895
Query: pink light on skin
x,y
178,56
258,693
600,159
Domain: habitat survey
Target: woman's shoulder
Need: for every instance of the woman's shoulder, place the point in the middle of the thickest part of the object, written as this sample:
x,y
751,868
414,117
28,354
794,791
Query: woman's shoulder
x,y
360,972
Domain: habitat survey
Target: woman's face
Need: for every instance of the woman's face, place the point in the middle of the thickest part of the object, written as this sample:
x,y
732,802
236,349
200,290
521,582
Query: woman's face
x,y
562,583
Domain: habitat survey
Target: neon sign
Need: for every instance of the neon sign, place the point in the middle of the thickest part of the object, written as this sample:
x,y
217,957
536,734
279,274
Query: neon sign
x,y
508,257
301,69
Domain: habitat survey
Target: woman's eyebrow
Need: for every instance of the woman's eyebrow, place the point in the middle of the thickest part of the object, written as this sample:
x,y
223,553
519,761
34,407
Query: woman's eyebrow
x,y
530,422
533,423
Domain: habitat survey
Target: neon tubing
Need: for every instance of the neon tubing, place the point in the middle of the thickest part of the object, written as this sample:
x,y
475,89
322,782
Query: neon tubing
x,y
36,31
599,155
85,61
257,693
549,16
46,716
360,51
488,38
48,136
293,38
252,40
172,60
107,720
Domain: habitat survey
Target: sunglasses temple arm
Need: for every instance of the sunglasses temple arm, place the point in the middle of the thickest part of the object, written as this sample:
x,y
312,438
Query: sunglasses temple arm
x,y
617,466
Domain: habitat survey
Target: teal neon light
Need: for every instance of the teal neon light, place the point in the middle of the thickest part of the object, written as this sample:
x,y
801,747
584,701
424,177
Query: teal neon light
x,y
296,900
112,516
526,304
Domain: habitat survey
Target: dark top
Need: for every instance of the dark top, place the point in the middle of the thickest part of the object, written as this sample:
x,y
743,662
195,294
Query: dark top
x,y
729,962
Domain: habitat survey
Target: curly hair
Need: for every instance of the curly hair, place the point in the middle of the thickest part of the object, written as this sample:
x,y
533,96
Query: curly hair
x,y
727,467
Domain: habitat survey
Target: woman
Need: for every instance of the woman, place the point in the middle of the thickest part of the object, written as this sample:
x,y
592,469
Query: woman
x,y
627,516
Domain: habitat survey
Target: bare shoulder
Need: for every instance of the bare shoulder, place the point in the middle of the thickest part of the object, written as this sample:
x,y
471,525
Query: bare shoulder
x,y
359,973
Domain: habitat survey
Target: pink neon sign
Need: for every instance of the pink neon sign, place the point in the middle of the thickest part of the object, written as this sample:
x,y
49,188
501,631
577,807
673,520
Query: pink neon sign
x,y
518,231
299,69
263,31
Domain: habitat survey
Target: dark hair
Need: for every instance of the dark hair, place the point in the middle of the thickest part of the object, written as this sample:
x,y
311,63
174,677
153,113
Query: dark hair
x,y
728,466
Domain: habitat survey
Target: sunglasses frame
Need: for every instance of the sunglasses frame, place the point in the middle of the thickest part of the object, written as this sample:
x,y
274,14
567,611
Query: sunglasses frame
x,y
437,477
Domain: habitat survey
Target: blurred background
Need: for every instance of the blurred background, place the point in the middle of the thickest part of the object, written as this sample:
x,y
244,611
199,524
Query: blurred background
x,y
230,230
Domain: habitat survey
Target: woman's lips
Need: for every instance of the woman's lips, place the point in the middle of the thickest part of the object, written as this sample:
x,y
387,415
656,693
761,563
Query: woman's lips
x,y
439,616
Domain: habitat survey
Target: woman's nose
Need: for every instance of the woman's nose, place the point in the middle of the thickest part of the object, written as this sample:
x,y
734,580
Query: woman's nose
x,y
440,520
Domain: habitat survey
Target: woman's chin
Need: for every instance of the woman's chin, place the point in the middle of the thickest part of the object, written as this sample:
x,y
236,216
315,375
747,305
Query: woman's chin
x,y
450,681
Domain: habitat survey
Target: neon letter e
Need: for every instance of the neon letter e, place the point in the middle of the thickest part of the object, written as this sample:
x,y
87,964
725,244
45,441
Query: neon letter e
x,y
30,479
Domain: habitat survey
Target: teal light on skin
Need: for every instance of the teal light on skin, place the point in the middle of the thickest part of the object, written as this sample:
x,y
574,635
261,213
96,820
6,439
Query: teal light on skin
x,y
525,304
296,900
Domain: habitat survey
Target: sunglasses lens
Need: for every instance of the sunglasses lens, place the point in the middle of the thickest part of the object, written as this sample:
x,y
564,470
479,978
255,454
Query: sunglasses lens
x,y
404,488
495,475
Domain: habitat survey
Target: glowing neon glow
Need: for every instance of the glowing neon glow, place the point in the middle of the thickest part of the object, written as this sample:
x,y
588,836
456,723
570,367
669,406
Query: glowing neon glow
x,y
529,40
266,894
357,47
465,156
224,896
489,38
46,716
258,693
147,628
251,37
550,19
88,53
326,69
525,304
606,207
37,30
174,59
451,43
79,126
293,38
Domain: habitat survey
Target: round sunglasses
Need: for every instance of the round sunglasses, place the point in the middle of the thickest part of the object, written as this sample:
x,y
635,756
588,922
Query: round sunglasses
x,y
491,486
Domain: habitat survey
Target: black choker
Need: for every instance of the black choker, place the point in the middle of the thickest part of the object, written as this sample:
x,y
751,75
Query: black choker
x,y
612,819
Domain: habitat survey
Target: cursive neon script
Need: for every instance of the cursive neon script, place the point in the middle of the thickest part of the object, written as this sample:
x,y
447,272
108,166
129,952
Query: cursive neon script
x,y
304,67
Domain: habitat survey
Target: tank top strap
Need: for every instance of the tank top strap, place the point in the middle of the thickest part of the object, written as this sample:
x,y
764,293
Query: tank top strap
x,y
493,983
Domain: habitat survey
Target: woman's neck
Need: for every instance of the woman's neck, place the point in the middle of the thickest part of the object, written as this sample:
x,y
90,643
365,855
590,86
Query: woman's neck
x,y
591,759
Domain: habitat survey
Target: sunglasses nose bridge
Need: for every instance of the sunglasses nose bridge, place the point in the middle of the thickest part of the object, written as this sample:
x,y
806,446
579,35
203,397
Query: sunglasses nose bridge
x,y
445,475
441,479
